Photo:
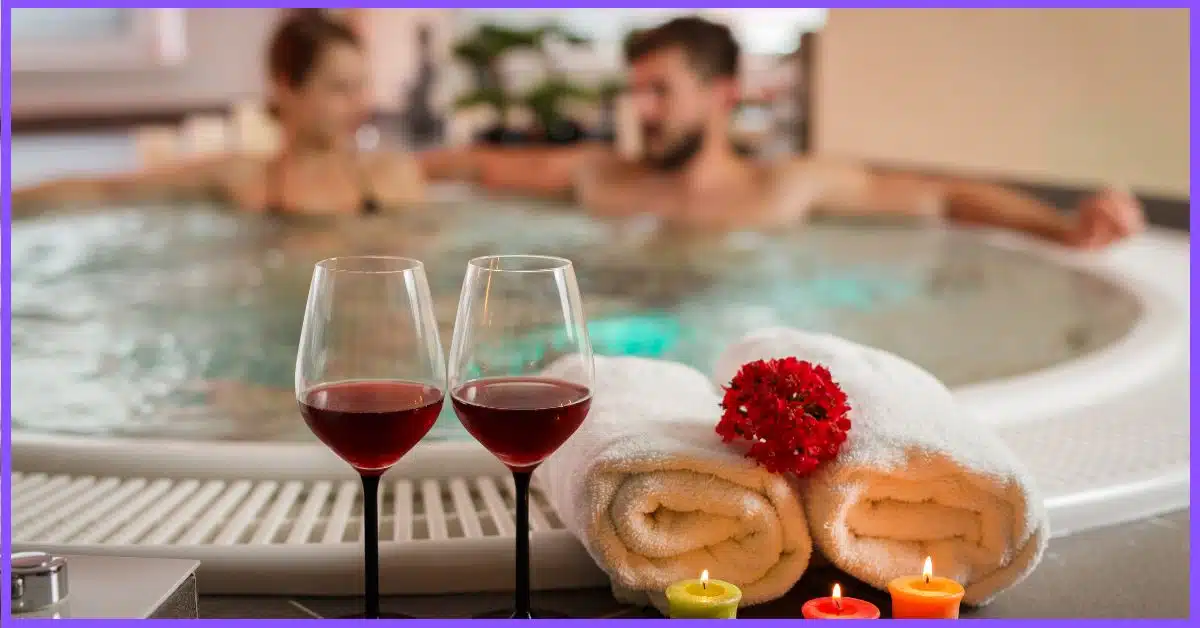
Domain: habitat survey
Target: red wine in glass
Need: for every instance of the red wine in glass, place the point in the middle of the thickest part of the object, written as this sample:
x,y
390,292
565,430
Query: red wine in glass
x,y
521,420
370,378
371,424
504,398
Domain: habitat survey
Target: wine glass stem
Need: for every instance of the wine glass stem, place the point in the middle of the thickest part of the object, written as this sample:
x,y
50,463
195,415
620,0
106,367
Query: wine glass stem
x,y
370,485
521,481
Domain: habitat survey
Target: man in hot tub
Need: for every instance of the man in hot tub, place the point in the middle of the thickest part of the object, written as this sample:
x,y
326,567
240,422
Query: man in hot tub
x,y
683,78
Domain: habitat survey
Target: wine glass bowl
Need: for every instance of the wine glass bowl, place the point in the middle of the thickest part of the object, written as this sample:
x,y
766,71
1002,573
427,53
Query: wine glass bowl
x,y
520,321
370,376
371,424
521,420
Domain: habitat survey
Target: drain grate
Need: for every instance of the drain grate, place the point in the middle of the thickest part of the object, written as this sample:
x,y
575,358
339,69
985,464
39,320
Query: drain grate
x,y
302,537
61,509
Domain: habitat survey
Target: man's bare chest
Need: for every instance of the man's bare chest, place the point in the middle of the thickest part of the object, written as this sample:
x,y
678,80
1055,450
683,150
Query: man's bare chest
x,y
753,203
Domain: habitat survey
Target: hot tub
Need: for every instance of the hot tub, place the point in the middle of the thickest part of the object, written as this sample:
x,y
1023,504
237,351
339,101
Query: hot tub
x,y
153,355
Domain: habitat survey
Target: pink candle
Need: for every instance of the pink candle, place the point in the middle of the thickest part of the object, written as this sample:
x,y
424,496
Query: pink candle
x,y
838,607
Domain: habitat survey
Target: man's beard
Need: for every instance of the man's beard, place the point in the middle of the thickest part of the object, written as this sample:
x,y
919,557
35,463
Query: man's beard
x,y
679,154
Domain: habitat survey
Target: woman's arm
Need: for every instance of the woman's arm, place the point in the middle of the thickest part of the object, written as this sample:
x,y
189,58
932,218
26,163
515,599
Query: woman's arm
x,y
192,181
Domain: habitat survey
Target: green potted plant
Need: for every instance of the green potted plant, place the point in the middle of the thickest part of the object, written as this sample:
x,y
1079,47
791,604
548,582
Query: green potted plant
x,y
483,51
546,101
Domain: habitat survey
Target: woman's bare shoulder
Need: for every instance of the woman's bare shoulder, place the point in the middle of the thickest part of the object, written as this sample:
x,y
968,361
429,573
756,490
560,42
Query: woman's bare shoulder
x,y
396,177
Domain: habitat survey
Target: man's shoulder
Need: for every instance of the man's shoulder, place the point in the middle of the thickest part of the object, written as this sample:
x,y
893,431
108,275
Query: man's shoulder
x,y
818,169
814,163
602,162
595,154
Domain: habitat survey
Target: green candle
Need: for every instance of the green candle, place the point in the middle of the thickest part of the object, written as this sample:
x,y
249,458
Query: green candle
x,y
703,599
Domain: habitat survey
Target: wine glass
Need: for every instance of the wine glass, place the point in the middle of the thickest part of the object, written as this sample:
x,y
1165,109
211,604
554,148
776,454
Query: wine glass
x,y
519,315
370,374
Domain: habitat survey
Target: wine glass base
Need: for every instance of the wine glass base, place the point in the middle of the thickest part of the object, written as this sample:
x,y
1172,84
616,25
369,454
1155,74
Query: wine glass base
x,y
381,616
538,613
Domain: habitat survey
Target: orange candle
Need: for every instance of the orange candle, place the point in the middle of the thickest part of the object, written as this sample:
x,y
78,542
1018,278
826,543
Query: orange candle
x,y
924,596
838,607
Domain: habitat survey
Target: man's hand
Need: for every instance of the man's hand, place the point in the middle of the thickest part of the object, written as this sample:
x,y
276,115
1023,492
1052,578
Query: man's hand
x,y
1105,218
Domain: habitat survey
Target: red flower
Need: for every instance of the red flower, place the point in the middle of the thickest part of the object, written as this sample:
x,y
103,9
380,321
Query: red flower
x,y
791,411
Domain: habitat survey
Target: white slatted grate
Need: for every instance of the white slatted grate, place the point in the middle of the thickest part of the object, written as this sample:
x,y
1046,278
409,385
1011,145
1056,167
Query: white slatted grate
x,y
66,510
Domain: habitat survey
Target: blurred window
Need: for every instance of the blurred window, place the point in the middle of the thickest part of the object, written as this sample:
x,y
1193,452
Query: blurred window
x,y
57,25
96,40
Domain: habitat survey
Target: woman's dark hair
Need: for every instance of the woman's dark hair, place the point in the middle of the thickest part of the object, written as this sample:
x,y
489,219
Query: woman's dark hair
x,y
299,41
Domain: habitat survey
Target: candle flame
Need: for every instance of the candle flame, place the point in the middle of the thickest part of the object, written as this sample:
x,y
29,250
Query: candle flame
x,y
837,597
704,579
928,571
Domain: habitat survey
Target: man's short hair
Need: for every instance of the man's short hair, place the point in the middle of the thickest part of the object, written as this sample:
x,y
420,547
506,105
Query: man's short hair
x,y
709,47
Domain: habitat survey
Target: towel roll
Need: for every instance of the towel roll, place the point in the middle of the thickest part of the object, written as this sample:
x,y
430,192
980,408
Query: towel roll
x,y
656,497
917,476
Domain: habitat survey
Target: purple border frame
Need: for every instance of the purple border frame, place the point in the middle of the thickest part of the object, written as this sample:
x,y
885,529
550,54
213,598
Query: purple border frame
x,y
6,306
6,309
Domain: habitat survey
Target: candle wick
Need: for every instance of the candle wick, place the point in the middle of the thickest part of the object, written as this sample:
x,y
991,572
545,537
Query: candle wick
x,y
837,602
703,584
926,578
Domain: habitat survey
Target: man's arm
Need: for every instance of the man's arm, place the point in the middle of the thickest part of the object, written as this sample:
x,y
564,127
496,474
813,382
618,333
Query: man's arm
x,y
972,203
846,188
454,164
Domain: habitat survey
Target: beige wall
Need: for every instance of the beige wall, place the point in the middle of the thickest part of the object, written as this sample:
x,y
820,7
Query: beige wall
x,y
224,63
391,36
1067,96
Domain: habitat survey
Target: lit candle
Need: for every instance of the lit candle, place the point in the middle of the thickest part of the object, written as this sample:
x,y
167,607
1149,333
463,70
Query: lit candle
x,y
924,596
838,607
703,599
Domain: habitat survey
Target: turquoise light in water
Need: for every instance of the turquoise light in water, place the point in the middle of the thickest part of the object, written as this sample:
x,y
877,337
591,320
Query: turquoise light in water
x,y
650,335
857,291
647,335
670,335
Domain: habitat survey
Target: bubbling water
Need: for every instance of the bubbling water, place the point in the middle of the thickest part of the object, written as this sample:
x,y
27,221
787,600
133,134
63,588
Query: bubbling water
x,y
182,322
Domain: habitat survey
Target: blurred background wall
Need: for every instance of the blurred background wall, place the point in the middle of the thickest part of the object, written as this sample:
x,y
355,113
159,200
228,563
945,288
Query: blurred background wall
x,y
223,64
1052,95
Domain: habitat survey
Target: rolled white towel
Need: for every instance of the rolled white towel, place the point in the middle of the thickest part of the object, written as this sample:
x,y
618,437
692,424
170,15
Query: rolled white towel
x,y
916,477
655,496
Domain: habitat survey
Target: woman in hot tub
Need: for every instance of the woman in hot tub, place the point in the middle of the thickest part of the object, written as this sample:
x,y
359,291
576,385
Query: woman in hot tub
x,y
319,96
